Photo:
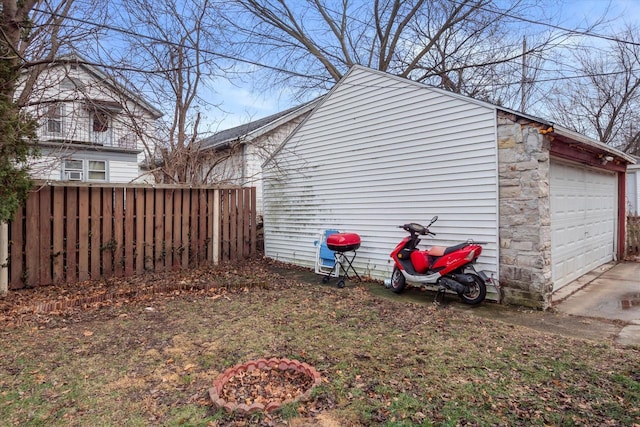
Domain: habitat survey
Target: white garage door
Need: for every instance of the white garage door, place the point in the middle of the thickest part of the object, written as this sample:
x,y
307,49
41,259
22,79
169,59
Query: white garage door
x,y
583,220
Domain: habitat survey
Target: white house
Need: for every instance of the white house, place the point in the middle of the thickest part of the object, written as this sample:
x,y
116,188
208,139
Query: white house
x,y
91,127
235,156
379,151
633,188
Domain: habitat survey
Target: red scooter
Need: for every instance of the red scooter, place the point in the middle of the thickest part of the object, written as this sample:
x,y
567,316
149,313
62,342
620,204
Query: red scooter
x,y
448,268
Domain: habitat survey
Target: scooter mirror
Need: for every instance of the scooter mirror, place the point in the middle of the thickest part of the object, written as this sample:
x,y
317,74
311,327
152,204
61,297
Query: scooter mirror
x,y
434,219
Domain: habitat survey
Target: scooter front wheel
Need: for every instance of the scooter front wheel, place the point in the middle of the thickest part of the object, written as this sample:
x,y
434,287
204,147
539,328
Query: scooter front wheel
x,y
476,292
398,281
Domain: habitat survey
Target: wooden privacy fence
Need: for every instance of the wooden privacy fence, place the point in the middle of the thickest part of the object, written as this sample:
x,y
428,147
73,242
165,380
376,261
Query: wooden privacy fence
x,y
69,233
633,235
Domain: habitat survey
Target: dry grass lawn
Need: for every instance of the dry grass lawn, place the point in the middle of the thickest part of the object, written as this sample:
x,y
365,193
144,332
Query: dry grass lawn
x,y
147,352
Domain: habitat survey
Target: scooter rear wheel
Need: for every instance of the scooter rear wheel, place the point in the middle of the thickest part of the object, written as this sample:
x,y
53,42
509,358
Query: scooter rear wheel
x,y
476,293
398,281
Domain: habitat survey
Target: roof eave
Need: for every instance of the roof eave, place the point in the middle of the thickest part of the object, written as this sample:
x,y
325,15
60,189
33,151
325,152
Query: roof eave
x,y
567,133
118,87
572,135
256,133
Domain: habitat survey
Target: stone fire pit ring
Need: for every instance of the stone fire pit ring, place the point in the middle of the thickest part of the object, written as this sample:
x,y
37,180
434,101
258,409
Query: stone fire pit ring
x,y
216,392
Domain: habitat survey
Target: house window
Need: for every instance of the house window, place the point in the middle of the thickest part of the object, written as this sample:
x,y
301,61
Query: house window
x,y
73,170
54,119
100,121
97,170
84,170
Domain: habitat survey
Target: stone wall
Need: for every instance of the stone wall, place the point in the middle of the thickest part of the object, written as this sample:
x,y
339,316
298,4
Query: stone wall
x,y
525,220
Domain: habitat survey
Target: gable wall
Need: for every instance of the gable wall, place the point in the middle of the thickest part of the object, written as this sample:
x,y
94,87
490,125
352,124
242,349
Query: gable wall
x,y
259,151
243,163
55,84
378,153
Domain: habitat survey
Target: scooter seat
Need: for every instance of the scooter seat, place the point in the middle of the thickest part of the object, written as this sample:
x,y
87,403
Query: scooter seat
x,y
455,248
438,251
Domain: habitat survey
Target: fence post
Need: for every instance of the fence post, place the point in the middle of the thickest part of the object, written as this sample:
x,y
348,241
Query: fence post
x,y
4,259
216,226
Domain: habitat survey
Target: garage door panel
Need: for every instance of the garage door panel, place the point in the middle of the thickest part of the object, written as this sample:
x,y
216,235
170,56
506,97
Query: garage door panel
x,y
583,214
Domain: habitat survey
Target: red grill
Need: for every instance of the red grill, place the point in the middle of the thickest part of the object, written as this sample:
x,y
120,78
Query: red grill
x,y
343,242
337,252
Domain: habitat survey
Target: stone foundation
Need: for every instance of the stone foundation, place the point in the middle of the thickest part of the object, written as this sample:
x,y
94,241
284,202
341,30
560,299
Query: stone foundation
x,y
525,218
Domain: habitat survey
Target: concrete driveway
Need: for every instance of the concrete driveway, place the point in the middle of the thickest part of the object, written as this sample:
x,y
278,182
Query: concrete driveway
x,y
611,292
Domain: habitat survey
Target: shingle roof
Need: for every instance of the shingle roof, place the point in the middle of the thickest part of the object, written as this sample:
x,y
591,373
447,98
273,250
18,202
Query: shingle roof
x,y
223,137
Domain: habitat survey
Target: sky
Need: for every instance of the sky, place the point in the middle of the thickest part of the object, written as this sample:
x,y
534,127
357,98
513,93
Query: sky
x,y
239,104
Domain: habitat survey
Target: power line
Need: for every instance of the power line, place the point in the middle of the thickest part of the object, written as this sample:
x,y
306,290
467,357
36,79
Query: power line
x,y
556,27
180,45
324,79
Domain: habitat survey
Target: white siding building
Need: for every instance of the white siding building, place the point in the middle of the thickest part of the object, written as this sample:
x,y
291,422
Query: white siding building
x,y
235,156
633,189
91,127
380,151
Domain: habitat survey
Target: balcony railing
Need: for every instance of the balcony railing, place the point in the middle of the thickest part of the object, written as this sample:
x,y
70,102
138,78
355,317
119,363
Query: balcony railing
x,y
109,138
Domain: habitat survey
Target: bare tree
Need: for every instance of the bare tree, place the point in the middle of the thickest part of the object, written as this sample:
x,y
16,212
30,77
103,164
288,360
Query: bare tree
x,y
467,46
32,33
171,61
605,101
37,32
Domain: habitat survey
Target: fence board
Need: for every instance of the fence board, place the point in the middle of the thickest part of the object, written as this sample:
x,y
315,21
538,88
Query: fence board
x,y
253,223
68,232
139,248
16,250
193,229
108,243
118,231
148,229
226,213
158,231
58,234
210,219
44,237
184,243
129,231
168,229
95,201
31,248
177,229
71,231
246,217
239,223
83,233
202,226
233,225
